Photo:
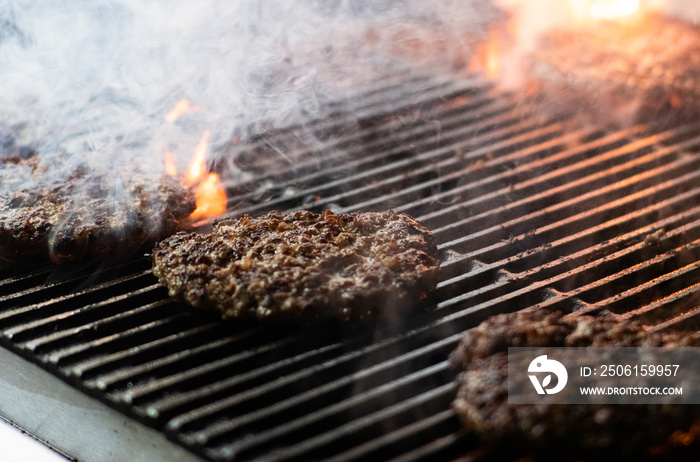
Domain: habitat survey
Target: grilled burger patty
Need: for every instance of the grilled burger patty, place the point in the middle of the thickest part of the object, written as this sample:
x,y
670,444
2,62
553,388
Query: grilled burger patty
x,y
84,218
301,265
560,431
621,73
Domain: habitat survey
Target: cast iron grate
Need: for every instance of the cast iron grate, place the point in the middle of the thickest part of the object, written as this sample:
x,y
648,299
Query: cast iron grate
x,y
528,211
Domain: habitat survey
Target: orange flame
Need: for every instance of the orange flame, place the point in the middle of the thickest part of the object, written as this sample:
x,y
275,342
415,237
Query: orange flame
x,y
177,111
613,9
488,55
619,10
211,198
170,168
198,165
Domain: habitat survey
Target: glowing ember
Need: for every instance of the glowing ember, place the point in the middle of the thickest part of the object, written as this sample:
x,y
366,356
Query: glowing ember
x,y
198,166
177,111
170,168
613,9
211,198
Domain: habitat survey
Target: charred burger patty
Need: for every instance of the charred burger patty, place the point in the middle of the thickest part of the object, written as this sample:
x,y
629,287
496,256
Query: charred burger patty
x,y
301,265
564,431
621,73
90,216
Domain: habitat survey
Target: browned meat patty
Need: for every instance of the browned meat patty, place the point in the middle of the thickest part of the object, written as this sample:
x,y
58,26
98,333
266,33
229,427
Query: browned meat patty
x,y
566,432
89,216
301,265
621,73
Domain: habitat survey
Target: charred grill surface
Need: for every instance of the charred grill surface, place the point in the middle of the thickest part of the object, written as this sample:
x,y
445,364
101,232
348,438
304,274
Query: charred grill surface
x,y
526,212
302,265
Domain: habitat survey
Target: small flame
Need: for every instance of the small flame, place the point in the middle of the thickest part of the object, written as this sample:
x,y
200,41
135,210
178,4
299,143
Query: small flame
x,y
198,165
177,111
211,198
613,9
488,55
170,168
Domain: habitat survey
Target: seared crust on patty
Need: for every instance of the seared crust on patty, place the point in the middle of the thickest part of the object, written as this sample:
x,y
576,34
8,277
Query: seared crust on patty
x,y
564,431
82,219
620,74
301,265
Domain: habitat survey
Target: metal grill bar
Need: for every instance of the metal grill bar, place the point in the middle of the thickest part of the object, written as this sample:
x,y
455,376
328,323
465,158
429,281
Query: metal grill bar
x,y
549,169
647,266
63,319
444,392
417,186
167,406
64,284
689,321
71,335
444,448
56,304
343,154
671,305
557,249
180,421
367,169
404,437
71,355
507,230
313,418
123,375
328,134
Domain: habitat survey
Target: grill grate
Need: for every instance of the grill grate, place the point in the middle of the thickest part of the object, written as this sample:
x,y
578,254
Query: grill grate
x,y
528,212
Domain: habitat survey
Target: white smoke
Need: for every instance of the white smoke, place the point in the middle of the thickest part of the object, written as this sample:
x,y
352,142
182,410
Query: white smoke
x,y
95,78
